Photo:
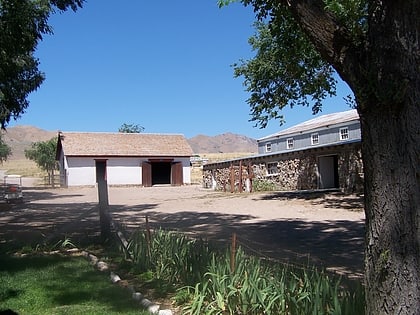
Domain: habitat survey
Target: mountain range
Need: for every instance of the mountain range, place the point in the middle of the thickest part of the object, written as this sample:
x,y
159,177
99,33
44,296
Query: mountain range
x,y
21,137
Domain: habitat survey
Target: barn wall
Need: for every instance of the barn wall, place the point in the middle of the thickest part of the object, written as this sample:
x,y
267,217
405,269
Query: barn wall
x,y
81,171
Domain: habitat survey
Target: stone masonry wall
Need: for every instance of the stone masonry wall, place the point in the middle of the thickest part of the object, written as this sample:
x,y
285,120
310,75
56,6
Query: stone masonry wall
x,y
297,173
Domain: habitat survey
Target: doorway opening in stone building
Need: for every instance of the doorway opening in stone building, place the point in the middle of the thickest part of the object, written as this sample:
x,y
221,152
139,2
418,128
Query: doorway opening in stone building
x,y
328,172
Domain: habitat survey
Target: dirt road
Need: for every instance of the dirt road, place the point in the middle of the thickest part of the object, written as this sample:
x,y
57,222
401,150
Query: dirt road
x,y
322,228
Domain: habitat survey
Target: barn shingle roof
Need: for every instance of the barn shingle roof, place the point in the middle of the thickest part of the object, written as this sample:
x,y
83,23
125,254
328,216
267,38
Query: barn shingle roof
x,y
123,144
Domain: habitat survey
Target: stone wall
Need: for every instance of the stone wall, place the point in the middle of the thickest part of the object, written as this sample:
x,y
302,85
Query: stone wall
x,y
294,172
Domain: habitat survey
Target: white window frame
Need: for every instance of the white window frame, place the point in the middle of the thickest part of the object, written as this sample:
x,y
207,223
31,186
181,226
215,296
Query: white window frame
x,y
344,133
272,168
268,147
314,138
290,143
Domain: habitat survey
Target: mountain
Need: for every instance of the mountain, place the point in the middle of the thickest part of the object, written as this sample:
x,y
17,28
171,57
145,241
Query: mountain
x,y
21,137
224,143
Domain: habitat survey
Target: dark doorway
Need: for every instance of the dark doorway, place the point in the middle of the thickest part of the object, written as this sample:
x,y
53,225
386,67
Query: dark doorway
x,y
161,173
328,172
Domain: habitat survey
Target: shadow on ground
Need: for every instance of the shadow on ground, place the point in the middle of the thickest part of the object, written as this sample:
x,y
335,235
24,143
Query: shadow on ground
x,y
337,245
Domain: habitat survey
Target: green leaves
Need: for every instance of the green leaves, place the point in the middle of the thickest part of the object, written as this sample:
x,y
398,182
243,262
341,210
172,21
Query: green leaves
x,y
43,154
286,71
22,26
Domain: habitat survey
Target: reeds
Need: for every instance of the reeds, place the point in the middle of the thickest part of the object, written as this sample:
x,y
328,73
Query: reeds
x,y
210,283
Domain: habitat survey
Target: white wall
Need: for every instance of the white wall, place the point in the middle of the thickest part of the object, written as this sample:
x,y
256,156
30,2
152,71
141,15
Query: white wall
x,y
123,171
81,171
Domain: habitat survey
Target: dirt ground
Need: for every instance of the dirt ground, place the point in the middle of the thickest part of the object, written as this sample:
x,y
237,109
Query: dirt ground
x,y
325,228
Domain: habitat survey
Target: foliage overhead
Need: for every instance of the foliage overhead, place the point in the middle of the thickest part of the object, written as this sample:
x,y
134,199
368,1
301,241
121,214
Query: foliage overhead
x,y
287,69
23,23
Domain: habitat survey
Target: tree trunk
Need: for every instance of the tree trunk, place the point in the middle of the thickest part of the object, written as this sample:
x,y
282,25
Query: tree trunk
x,y
391,165
390,118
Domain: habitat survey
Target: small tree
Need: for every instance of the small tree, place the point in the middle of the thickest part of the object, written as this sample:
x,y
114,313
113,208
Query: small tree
x,y
5,151
43,154
130,128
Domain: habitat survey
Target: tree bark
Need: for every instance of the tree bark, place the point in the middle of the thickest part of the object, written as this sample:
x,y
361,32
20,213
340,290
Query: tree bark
x,y
390,117
383,73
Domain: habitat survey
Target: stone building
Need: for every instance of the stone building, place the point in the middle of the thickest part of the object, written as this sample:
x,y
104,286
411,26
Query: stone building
x,y
321,153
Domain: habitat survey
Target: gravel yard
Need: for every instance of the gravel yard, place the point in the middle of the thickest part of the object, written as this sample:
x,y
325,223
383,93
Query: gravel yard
x,y
324,228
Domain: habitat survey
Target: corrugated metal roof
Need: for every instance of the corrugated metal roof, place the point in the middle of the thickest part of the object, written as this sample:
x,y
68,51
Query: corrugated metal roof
x,y
316,123
123,144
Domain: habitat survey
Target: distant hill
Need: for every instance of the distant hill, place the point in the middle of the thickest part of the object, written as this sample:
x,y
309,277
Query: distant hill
x,y
224,143
21,137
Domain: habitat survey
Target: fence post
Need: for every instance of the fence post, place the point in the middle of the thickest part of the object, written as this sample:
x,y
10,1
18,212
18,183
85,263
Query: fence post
x,y
233,253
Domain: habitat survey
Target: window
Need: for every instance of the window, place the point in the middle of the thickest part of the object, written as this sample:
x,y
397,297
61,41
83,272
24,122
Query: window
x,y
272,168
289,143
344,133
314,138
268,147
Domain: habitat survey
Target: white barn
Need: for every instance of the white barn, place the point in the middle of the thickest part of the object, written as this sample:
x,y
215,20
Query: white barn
x,y
128,158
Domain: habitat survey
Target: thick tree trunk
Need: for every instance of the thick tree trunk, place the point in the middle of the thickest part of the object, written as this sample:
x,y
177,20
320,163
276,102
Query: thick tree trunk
x,y
392,205
390,116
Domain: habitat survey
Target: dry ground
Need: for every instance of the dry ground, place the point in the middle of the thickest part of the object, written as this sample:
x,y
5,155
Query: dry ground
x,y
324,228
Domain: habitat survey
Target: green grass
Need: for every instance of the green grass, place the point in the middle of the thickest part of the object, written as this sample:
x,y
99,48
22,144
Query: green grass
x,y
54,284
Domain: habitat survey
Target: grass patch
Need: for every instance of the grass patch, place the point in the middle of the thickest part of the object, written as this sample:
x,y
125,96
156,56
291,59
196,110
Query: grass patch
x,y
23,167
55,284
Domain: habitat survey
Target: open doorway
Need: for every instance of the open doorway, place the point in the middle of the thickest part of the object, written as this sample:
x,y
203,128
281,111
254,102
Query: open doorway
x,y
161,173
328,172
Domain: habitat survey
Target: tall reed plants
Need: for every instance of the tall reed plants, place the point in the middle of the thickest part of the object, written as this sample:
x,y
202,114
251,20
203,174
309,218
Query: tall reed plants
x,y
170,256
259,287
214,282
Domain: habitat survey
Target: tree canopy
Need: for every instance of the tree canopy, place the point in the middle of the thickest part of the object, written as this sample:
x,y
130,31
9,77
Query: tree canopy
x,y
23,23
130,128
43,153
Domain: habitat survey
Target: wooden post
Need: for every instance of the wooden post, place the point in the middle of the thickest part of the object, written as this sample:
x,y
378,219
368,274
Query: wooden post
x,y
233,253
250,176
148,236
232,178
240,177
104,218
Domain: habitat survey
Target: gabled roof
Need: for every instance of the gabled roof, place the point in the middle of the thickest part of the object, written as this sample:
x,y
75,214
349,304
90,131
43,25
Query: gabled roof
x,y
317,123
123,144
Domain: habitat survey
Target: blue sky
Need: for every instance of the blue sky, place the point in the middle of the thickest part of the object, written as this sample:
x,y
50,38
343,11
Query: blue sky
x,y
163,64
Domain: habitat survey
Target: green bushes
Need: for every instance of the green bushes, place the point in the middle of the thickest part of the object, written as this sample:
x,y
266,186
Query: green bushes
x,y
210,284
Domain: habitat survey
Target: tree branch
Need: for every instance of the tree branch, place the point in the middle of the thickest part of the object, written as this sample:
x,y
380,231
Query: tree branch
x,y
332,40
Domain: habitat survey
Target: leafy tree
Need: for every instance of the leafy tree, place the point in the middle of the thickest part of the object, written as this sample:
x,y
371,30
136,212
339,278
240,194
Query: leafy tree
x,y
23,23
43,154
5,151
374,47
130,128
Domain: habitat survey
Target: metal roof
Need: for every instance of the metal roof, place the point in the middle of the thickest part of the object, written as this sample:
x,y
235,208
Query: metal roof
x,y
123,144
317,123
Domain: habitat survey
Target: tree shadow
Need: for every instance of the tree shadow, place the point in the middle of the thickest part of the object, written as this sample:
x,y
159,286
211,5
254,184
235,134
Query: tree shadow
x,y
336,245
327,198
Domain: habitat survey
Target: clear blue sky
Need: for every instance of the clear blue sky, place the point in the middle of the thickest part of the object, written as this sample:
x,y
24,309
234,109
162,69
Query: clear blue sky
x,y
162,64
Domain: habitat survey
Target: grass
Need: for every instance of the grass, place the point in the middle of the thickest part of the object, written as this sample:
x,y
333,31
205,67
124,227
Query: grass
x,y
22,167
54,284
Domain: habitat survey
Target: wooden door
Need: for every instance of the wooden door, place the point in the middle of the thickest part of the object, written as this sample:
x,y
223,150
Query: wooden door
x,y
176,174
146,178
